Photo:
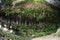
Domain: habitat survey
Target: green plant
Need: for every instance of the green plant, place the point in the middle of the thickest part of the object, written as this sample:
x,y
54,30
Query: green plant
x,y
12,36
36,12
7,11
8,1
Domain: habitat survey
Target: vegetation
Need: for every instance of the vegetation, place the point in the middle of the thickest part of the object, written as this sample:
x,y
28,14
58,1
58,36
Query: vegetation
x,y
12,36
42,17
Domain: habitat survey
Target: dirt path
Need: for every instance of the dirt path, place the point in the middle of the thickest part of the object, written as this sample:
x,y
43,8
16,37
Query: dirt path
x,y
48,37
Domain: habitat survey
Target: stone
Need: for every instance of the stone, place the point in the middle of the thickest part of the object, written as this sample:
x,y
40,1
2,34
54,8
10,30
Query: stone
x,y
11,31
58,32
4,29
0,26
54,2
5,25
10,26
0,1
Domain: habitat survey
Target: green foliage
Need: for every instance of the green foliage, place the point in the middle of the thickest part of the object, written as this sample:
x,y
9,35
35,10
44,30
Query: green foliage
x,y
39,12
24,1
38,30
7,11
40,34
12,36
8,1
20,3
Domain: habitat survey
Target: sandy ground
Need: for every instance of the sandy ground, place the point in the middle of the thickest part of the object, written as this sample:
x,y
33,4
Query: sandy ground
x,y
48,37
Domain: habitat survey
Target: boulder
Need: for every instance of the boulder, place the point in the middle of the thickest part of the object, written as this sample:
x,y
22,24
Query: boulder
x,y
54,2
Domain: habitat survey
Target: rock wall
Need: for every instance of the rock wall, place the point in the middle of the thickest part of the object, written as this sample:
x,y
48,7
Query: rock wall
x,y
54,2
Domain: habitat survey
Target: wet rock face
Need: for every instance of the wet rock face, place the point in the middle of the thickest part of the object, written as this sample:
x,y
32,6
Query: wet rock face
x,y
54,2
0,1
